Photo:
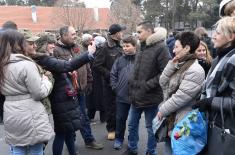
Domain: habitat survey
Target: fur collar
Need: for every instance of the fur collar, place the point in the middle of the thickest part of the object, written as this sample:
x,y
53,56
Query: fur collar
x,y
61,44
156,37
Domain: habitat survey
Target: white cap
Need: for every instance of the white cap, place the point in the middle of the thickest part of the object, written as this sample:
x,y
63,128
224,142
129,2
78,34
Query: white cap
x,y
99,40
86,37
222,6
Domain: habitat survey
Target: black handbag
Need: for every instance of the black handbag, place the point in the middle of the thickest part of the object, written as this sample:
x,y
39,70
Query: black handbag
x,y
220,140
2,99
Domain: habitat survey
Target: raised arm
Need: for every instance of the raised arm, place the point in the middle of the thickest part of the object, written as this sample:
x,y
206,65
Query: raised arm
x,y
56,65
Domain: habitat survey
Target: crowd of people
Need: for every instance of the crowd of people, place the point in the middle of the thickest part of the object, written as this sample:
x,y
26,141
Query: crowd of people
x,y
118,75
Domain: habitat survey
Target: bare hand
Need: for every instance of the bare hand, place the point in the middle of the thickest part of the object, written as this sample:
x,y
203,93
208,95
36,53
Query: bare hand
x,y
92,48
47,73
159,115
175,60
44,77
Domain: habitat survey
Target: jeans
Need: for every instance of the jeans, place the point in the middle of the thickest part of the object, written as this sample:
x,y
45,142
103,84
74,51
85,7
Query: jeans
x,y
85,130
121,117
36,149
59,140
133,128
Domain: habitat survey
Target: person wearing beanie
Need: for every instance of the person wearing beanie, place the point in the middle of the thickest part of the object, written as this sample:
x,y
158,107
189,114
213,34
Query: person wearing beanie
x,y
46,43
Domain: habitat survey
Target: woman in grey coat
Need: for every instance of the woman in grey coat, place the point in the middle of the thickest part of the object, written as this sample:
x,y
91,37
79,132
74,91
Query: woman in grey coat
x,y
26,122
181,82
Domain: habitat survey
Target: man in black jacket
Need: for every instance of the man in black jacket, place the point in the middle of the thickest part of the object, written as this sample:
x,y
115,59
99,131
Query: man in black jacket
x,y
145,92
103,63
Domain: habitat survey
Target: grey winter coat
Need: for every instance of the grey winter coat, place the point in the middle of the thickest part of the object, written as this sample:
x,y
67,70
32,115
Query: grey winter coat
x,y
188,86
25,119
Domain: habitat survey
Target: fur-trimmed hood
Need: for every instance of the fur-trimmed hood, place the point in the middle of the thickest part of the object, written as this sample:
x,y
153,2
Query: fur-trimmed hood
x,y
159,35
111,42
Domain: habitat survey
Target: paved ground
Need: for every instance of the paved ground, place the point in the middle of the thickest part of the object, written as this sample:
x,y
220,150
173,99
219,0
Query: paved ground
x,y
99,132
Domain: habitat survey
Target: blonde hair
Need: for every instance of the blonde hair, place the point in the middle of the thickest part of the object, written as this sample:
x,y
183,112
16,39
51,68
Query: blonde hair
x,y
200,32
229,8
208,55
162,31
226,26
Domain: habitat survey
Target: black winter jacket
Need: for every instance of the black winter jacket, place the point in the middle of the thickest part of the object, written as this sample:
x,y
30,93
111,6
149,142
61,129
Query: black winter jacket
x,y
119,76
105,58
144,88
65,112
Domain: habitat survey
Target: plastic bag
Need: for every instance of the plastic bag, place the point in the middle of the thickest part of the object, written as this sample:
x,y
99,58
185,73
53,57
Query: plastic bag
x,y
189,135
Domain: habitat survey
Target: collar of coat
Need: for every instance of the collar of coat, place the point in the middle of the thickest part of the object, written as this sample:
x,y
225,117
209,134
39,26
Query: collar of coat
x,y
61,44
111,42
156,37
18,57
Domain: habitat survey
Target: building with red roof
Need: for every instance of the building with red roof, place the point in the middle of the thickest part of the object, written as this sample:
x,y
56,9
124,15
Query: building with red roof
x,y
52,18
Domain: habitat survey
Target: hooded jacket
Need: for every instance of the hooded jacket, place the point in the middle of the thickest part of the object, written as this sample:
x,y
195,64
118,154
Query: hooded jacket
x,y
144,88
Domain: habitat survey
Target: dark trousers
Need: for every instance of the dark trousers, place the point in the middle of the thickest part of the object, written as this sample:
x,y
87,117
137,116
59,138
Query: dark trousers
x,y
110,108
121,117
94,103
91,114
59,140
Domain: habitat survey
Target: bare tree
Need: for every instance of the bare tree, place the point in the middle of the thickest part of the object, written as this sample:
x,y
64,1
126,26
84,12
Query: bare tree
x,y
125,12
73,13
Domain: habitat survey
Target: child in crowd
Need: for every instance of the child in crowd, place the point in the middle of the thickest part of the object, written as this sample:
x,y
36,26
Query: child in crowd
x,y
119,76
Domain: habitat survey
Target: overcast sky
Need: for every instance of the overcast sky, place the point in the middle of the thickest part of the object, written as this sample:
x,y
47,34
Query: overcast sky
x,y
97,3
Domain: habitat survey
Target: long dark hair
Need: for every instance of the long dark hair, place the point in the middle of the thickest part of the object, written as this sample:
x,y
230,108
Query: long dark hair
x,y
11,41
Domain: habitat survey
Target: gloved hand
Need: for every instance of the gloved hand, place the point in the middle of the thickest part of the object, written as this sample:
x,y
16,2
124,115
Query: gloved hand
x,y
203,104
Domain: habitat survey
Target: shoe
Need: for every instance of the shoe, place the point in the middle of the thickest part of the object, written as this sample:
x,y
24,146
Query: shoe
x,y
111,135
117,145
129,152
94,145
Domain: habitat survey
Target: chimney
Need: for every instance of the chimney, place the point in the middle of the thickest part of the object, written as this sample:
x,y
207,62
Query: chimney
x,y
96,14
34,14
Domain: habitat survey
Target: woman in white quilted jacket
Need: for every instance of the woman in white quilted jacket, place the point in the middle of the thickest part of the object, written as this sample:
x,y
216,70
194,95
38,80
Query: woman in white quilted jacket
x,y
181,82
26,122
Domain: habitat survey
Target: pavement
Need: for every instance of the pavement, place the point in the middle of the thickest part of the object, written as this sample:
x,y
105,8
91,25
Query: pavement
x,y
100,133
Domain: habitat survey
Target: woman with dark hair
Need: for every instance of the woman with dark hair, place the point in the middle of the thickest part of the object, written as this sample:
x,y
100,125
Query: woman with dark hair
x,y
181,82
26,122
